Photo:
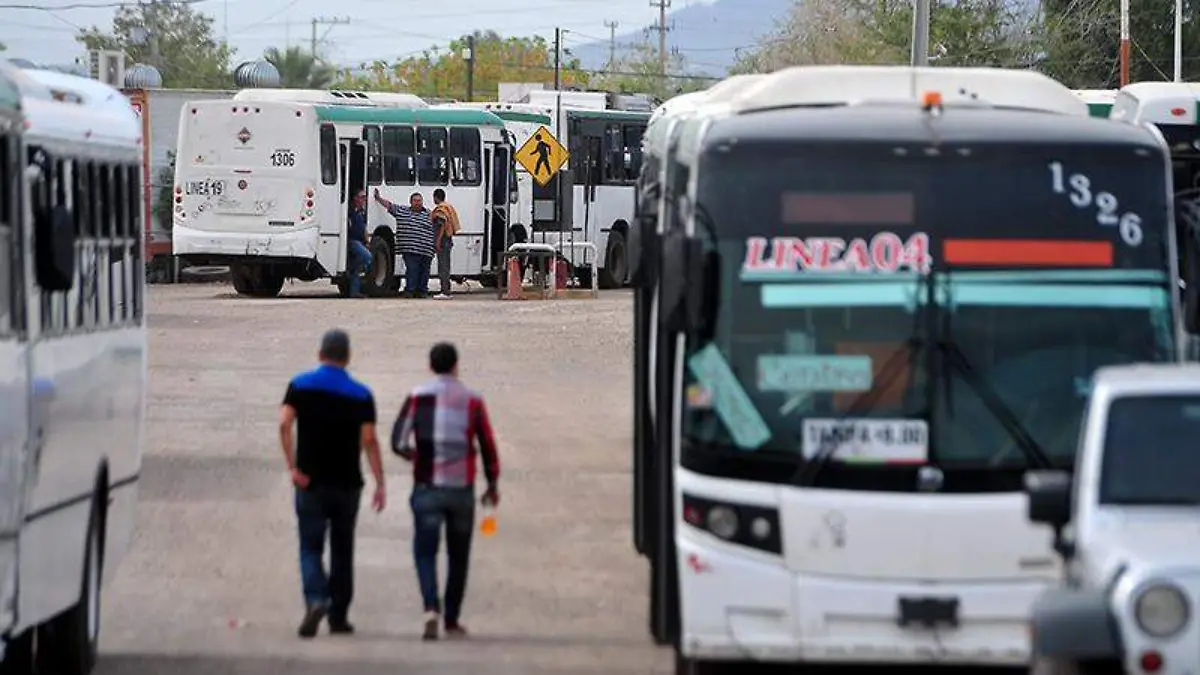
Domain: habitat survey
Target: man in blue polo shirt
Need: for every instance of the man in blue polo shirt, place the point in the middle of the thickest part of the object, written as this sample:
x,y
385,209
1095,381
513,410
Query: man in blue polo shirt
x,y
334,416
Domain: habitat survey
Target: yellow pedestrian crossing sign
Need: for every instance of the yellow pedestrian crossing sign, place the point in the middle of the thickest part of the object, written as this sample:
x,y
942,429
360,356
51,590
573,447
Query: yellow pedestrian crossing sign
x,y
542,155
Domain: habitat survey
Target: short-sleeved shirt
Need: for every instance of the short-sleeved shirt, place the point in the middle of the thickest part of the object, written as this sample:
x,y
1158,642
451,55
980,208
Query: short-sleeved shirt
x,y
331,409
414,230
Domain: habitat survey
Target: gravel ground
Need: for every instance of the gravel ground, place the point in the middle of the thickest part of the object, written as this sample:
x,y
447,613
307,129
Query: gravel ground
x,y
211,584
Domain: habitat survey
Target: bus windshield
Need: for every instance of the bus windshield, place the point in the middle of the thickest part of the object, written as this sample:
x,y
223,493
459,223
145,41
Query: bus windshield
x,y
928,311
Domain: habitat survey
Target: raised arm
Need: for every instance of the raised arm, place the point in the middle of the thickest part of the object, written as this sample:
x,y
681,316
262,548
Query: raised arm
x,y
384,202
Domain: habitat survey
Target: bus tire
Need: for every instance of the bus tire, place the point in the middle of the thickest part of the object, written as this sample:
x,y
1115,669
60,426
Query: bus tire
x,y
616,262
255,281
377,282
67,644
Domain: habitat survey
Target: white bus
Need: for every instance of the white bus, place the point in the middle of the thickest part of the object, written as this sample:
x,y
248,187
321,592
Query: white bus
x,y
265,186
73,349
848,352
1099,101
605,147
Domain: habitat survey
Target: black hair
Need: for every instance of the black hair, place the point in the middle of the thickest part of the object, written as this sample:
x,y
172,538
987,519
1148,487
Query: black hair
x,y
442,358
439,195
335,345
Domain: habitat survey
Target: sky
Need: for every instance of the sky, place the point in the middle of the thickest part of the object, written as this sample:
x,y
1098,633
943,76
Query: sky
x,y
43,31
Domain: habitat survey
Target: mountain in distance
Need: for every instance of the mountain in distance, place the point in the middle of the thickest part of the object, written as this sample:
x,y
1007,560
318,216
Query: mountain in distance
x,y
705,32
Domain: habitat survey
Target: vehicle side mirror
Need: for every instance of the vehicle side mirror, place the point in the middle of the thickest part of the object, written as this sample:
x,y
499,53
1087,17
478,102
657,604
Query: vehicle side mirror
x,y
643,253
1049,494
703,278
673,278
54,247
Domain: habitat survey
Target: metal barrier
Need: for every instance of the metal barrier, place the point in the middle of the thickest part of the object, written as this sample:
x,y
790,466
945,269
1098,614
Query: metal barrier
x,y
546,282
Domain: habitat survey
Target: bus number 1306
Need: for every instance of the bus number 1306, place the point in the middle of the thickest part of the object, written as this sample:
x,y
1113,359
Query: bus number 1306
x,y
283,158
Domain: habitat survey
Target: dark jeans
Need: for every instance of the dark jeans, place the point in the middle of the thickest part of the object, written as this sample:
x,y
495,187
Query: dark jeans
x,y
359,259
432,507
416,272
319,509
443,258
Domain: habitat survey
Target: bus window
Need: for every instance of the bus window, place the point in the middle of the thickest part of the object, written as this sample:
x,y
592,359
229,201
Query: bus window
x,y
432,163
79,173
633,150
133,185
614,155
464,156
399,146
104,196
60,183
9,275
374,155
329,145
92,196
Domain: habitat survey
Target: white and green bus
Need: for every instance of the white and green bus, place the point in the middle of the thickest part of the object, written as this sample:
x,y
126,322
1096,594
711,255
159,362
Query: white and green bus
x,y
265,186
605,148
1099,101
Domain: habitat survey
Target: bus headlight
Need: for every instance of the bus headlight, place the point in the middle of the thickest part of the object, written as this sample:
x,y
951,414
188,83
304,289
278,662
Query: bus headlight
x,y
723,522
752,526
1161,610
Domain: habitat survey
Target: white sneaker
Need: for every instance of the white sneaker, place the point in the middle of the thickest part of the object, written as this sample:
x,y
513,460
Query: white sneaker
x,y
442,296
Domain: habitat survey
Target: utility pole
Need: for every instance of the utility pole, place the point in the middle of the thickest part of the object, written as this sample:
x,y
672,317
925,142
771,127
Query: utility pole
x,y
612,42
920,33
1179,40
155,57
662,6
470,68
557,59
336,21
1125,47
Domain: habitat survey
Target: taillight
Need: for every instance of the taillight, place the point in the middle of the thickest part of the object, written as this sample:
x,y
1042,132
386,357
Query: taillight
x,y
755,527
178,195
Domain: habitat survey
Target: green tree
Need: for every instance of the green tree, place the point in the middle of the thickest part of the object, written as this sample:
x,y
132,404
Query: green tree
x,y
962,32
189,54
1083,41
300,69
442,72
639,71
3,47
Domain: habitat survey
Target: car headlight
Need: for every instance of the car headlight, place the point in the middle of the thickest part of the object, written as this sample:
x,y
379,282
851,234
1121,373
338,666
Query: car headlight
x,y
1161,610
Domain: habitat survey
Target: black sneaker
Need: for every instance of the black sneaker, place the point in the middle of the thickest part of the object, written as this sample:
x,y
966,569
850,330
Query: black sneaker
x,y
312,620
341,627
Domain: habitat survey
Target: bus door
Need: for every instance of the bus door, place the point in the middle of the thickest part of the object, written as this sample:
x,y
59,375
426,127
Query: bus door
x,y
499,162
352,177
587,139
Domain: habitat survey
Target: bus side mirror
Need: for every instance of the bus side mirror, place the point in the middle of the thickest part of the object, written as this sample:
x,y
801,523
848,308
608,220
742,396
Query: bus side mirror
x,y
673,279
54,248
1049,494
643,249
703,289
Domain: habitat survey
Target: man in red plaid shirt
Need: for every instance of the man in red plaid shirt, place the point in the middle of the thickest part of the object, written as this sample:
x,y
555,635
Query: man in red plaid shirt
x,y
441,428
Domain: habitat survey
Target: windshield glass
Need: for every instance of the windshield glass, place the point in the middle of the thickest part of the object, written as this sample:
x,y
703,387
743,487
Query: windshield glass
x,y
1150,451
829,329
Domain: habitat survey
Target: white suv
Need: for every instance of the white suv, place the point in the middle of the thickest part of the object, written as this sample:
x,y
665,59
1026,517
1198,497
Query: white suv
x,y
1128,527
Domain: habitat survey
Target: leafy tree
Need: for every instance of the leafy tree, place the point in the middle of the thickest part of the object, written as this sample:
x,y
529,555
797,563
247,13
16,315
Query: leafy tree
x,y
299,69
3,47
189,55
1083,41
442,73
639,71
962,32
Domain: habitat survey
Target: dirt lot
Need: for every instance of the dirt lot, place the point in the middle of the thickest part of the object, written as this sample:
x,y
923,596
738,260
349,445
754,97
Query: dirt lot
x,y
212,584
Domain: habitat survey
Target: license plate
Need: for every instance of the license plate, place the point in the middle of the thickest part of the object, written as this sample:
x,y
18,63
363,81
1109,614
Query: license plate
x,y
859,440
205,188
927,612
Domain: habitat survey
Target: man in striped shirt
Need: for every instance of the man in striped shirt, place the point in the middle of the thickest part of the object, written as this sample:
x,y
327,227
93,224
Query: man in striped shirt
x,y
414,241
441,428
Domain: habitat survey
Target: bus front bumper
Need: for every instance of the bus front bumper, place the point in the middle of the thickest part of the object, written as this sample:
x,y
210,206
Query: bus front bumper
x,y
739,604
229,246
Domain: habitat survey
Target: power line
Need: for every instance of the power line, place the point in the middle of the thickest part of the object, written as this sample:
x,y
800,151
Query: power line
x,y
89,5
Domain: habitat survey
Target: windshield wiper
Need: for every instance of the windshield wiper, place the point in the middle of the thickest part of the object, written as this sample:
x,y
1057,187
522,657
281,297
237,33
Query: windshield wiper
x,y
895,364
1034,453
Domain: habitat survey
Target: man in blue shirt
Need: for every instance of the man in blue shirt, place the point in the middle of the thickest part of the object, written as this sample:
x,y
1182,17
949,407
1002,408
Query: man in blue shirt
x,y
334,416
357,254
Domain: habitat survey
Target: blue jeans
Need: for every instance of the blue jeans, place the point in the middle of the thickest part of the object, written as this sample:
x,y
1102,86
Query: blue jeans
x,y
432,507
359,257
320,509
416,272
